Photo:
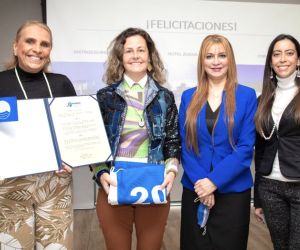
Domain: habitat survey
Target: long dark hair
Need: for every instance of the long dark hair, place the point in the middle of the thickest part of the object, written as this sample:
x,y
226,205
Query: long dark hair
x,y
263,115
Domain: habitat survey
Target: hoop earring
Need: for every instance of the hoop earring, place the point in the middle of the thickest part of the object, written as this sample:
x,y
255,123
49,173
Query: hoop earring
x,y
271,74
298,71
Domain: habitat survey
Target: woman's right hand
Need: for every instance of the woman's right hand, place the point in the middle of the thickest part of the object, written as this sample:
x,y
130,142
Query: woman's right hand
x,y
106,181
259,214
204,187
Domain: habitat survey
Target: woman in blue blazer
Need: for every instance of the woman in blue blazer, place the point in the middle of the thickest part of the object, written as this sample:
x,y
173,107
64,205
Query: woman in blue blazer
x,y
218,133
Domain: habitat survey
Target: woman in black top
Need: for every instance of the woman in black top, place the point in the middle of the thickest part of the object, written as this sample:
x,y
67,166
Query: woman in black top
x,y
35,210
277,148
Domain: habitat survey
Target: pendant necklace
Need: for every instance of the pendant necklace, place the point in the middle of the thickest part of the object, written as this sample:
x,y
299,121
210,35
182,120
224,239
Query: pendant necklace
x,y
23,90
141,123
216,95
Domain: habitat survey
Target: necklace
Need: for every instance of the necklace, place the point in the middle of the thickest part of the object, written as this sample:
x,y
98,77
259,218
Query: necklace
x,y
21,85
271,134
141,123
218,95
214,93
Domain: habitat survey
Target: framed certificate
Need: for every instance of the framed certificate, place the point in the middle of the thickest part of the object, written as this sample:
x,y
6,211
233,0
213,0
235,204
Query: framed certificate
x,y
51,131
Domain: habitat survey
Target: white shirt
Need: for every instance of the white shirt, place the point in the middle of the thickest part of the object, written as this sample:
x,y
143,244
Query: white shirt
x,y
141,82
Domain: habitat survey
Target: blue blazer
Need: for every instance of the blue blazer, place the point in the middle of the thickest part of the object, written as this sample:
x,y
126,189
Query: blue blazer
x,y
231,166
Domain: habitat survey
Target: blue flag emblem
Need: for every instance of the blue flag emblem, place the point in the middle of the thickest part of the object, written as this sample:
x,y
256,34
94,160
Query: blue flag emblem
x,y
8,109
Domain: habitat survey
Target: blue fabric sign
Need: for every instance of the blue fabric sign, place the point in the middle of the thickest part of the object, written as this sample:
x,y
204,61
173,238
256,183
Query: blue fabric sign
x,y
138,183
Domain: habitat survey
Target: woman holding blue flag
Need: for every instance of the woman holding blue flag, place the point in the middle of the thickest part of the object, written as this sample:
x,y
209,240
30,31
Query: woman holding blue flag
x,y
141,122
217,130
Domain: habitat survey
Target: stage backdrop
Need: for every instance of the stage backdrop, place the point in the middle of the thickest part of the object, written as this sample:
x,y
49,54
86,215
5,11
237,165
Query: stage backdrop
x,y
82,31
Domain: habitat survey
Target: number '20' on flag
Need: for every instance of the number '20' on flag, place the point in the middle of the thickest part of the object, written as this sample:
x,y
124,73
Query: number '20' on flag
x,y
137,183
8,109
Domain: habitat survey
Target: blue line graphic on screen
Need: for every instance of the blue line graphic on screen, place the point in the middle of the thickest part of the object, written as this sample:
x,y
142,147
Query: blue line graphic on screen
x,y
87,77
251,75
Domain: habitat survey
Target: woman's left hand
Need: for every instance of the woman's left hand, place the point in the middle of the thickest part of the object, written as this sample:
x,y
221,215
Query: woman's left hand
x,y
204,187
66,169
168,182
208,200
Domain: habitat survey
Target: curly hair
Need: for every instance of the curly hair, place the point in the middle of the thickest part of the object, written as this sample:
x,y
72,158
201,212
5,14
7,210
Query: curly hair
x,y
115,68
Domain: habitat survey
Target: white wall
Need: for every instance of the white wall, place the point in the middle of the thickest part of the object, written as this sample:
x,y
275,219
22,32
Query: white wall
x,y
12,14
15,12
261,1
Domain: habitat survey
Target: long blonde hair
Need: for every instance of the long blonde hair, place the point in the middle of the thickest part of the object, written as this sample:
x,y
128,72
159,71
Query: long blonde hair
x,y
14,61
200,96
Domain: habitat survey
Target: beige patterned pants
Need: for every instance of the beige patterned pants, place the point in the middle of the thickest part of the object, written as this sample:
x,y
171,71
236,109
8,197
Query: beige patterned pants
x,y
36,212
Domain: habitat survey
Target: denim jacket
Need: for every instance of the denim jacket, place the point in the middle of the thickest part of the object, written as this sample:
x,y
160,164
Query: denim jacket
x,y
161,118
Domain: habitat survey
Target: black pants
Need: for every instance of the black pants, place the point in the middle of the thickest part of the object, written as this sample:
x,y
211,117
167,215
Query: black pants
x,y
281,205
227,227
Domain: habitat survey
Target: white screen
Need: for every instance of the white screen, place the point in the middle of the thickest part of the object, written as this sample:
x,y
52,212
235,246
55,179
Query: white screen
x,y
82,31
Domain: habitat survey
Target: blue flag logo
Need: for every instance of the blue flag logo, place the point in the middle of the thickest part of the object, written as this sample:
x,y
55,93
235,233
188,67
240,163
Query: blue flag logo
x,y
8,109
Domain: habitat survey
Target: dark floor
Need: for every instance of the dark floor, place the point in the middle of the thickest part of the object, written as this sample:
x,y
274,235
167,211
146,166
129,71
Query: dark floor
x,y
88,236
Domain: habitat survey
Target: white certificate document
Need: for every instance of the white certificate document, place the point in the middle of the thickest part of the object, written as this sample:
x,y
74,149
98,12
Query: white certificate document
x,y
79,130
51,131
26,145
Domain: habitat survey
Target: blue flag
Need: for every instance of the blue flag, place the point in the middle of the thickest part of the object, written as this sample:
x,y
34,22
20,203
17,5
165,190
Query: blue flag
x,y
137,183
8,109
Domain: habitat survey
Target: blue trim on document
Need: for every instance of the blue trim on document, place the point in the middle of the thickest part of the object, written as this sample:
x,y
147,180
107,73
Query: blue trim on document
x,y
52,130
